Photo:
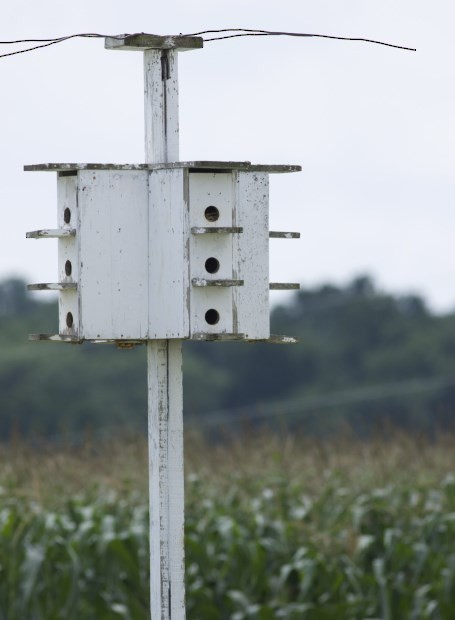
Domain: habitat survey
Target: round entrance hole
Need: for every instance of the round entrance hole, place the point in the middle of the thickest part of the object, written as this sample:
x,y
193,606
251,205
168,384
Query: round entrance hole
x,y
67,215
211,213
212,265
69,320
212,316
68,268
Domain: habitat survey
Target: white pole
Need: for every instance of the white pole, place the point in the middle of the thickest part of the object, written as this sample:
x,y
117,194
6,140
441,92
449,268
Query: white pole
x,y
164,371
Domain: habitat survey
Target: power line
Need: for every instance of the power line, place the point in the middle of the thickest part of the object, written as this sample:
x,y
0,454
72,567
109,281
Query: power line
x,y
245,32
48,42
226,33
56,39
260,411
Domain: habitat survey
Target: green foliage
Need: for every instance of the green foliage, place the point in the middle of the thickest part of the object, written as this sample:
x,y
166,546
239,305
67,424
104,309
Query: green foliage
x,y
261,550
88,561
351,338
283,554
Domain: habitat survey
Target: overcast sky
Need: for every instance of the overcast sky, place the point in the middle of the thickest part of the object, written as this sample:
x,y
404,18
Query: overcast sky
x,y
371,126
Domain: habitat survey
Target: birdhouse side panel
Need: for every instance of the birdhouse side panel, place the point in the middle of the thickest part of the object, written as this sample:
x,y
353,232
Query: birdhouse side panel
x,y
113,208
211,197
251,254
68,255
168,255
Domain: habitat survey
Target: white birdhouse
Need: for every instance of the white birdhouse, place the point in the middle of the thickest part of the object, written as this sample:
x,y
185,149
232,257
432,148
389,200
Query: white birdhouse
x,y
162,251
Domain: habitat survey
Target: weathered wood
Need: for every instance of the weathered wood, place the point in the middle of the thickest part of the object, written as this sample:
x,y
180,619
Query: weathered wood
x,y
164,359
65,167
69,323
273,339
251,254
224,337
218,230
284,286
278,339
113,242
273,234
214,191
54,338
193,166
142,42
164,362
229,166
55,233
52,286
162,107
168,256
203,282
121,344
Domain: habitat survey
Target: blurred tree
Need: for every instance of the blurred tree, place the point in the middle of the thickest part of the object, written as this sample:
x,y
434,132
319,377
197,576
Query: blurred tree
x,y
350,338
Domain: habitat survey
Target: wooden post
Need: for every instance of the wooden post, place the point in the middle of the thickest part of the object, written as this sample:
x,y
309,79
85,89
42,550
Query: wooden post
x,y
164,357
164,367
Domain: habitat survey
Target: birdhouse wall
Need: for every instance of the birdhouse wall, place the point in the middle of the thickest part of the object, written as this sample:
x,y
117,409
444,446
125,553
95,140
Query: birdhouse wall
x,y
236,199
113,239
68,256
168,252
211,201
251,254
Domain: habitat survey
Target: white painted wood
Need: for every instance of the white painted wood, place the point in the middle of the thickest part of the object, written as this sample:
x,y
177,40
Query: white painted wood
x,y
215,191
221,166
251,252
204,282
68,258
164,360
52,286
211,189
273,234
51,233
168,255
113,241
217,337
161,106
220,230
284,286
143,41
281,339
53,338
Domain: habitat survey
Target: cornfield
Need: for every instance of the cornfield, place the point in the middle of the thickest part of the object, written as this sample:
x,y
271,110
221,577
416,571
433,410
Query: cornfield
x,y
275,528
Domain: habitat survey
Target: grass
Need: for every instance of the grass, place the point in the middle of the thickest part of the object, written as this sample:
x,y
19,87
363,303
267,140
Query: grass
x,y
50,474
276,527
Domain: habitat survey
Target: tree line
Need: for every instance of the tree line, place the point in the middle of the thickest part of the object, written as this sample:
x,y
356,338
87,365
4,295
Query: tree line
x,y
366,360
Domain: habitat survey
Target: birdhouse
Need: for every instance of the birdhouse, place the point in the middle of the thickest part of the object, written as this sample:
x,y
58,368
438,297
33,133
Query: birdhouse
x,y
162,251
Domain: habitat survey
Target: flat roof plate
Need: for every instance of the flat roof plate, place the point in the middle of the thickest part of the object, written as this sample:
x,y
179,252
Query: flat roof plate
x,y
196,166
142,41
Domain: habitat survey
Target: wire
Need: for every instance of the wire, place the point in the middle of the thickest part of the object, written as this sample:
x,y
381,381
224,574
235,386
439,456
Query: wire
x,y
31,49
246,32
397,390
48,42
232,34
51,39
